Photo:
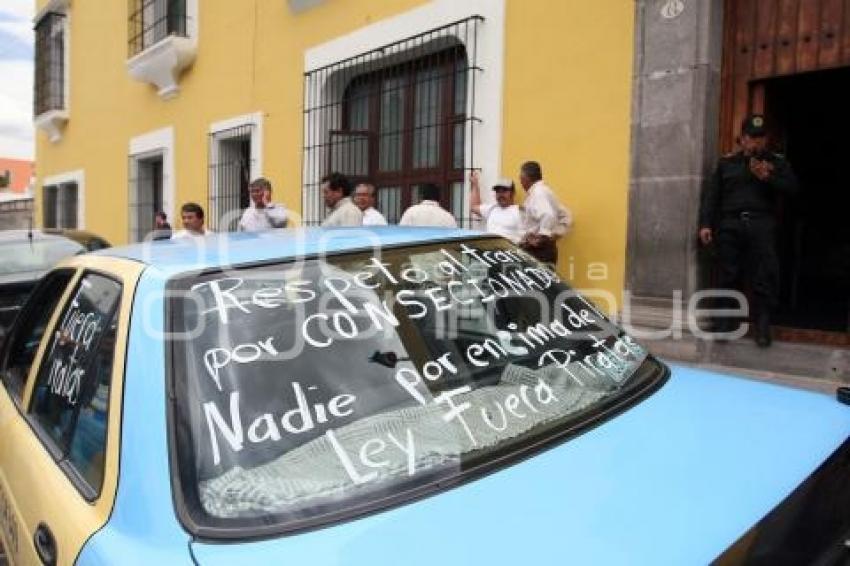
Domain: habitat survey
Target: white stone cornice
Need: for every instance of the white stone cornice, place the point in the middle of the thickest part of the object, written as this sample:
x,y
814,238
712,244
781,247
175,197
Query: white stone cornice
x,y
162,62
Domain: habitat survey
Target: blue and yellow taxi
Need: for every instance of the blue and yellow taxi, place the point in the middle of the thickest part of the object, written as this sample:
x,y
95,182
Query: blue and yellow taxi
x,y
387,396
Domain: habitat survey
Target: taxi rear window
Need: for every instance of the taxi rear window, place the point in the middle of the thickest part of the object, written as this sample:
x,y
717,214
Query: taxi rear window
x,y
310,391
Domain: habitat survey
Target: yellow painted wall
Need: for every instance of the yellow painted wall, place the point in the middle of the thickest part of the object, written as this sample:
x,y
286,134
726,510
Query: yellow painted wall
x,y
570,110
249,59
567,92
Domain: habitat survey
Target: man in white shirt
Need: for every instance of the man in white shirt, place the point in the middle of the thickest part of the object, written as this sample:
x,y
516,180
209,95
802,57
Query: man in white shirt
x,y
365,199
263,214
192,216
336,190
543,219
502,217
428,212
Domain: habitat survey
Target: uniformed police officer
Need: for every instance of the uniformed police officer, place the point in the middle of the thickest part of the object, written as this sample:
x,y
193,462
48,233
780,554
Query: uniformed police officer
x,y
737,214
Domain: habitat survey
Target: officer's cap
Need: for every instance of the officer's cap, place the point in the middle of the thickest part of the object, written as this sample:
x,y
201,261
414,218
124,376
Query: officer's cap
x,y
753,126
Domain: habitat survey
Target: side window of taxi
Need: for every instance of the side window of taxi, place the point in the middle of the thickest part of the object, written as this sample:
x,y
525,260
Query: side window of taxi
x,y
29,330
71,392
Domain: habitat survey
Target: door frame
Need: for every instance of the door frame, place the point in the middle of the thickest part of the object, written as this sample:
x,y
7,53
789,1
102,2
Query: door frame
x,y
764,40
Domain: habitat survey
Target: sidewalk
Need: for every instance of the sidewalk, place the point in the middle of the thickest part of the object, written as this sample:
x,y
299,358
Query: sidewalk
x,y
822,368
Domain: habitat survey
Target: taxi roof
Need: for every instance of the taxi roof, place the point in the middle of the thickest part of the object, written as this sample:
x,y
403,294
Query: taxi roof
x,y
236,248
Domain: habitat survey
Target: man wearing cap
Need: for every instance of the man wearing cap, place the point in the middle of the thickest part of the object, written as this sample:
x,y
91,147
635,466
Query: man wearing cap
x,y
737,215
502,217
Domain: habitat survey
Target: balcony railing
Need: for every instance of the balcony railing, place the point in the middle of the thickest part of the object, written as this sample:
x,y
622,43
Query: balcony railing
x,y
49,91
151,21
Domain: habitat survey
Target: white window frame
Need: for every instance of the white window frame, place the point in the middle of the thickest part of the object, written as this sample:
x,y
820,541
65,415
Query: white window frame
x,y
490,53
227,129
145,146
59,180
218,132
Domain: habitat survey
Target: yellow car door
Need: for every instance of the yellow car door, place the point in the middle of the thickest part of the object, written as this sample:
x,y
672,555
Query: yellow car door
x,y
60,407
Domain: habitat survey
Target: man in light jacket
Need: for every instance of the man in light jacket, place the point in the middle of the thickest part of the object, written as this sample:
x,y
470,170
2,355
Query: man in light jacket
x,y
544,218
336,190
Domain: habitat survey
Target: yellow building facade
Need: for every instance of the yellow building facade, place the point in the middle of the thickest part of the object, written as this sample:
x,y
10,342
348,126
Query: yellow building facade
x,y
149,105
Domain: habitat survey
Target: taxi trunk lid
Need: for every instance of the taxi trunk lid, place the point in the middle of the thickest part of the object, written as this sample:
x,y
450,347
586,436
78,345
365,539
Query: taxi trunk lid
x,y
678,478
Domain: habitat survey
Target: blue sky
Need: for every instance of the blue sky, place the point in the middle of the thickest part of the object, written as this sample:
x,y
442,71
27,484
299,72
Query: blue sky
x,y
16,70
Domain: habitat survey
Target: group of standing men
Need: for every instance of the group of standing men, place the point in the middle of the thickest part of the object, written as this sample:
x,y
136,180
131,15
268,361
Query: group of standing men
x,y
736,215
535,226
361,211
262,214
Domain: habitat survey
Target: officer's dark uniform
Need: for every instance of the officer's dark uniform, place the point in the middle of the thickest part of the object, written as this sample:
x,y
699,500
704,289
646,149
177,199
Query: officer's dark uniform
x,y
739,208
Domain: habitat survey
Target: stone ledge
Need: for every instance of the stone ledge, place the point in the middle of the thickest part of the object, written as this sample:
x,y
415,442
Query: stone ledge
x,y
806,361
52,122
297,6
161,64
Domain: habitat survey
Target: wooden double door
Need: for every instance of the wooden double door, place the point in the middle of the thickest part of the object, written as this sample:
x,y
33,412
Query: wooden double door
x,y
790,60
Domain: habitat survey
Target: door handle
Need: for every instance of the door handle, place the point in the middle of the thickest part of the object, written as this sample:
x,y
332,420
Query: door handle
x,y
45,544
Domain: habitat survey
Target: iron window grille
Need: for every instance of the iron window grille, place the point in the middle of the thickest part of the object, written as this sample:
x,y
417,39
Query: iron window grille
x,y
230,166
147,178
49,87
59,206
151,21
398,116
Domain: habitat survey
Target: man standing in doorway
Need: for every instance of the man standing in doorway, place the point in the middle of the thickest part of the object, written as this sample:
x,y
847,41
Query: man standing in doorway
x,y
262,214
428,212
365,199
336,190
737,214
544,219
161,227
192,216
502,217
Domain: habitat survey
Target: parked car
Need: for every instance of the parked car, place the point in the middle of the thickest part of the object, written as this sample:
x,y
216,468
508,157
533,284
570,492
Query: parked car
x,y
423,396
25,255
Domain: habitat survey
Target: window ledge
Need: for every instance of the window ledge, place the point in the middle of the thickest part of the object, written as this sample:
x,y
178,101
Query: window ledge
x,y
297,6
161,63
52,122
